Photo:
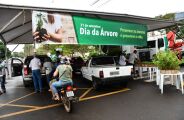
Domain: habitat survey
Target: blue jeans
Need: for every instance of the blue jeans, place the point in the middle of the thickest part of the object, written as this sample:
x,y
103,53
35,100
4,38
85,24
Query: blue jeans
x,y
48,78
58,84
37,80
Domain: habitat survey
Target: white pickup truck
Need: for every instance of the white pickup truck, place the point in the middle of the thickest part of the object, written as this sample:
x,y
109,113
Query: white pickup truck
x,y
104,69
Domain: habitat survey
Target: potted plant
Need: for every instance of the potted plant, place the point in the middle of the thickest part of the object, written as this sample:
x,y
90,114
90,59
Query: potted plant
x,y
39,26
167,61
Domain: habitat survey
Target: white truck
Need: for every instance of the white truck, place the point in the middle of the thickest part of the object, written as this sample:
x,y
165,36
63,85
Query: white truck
x,y
154,45
104,69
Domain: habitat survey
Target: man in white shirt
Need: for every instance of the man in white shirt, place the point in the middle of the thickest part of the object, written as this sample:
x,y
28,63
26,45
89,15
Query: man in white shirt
x,y
133,57
131,60
35,65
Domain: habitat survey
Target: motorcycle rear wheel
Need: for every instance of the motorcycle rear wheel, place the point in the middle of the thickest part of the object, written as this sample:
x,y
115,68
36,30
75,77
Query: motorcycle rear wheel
x,y
67,104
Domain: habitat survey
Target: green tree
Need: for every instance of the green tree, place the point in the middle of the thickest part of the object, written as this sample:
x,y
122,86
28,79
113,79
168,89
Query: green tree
x,y
28,49
168,16
43,49
2,51
171,16
82,49
18,54
182,30
68,50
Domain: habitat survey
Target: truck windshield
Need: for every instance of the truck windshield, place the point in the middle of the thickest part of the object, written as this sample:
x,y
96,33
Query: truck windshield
x,y
103,61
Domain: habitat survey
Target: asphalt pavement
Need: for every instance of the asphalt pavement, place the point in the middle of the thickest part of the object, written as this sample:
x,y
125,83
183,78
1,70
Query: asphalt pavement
x,y
139,101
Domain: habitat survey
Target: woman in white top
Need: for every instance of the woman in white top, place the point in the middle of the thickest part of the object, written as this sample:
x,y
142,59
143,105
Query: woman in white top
x,y
122,59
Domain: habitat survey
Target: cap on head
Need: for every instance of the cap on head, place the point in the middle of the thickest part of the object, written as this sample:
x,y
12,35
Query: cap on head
x,y
64,61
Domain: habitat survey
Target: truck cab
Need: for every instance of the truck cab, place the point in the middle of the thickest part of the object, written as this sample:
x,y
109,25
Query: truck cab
x,y
154,45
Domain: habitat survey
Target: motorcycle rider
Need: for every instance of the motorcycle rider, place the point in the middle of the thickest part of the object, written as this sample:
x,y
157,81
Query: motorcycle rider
x,y
65,77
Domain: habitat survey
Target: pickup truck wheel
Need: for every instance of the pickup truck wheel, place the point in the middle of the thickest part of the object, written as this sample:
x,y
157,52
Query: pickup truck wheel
x,y
95,85
124,84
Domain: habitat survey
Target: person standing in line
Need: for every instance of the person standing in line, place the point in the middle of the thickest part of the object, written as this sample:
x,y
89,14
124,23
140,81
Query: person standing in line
x,y
47,65
3,77
131,60
35,65
122,59
56,59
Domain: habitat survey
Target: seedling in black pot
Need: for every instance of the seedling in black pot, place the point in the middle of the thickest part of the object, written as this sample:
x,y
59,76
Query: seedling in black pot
x,y
41,31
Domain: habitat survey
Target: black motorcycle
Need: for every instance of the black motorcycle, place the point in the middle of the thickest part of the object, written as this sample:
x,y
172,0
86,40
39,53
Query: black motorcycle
x,y
67,96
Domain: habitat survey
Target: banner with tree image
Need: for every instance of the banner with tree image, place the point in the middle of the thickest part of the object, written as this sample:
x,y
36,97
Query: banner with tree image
x,y
57,28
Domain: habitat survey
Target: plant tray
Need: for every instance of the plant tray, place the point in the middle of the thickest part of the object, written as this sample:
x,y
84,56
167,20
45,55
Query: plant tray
x,y
169,71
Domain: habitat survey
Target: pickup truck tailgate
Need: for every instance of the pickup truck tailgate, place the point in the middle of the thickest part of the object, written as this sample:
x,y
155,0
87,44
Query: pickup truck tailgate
x,y
117,71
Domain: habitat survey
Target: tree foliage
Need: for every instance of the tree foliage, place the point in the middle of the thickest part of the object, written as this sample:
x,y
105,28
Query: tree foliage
x,y
18,54
171,16
28,49
2,51
68,50
82,49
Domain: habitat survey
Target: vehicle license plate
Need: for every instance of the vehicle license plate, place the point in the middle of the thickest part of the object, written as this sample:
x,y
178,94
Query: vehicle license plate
x,y
69,94
114,73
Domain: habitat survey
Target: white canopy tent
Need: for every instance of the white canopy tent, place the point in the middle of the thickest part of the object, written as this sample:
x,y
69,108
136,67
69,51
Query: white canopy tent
x,y
16,21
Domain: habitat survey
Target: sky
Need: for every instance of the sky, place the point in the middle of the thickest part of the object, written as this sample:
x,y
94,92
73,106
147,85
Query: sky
x,y
18,49
146,8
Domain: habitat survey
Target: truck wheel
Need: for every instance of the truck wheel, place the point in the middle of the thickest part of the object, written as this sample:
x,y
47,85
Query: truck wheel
x,y
124,84
95,85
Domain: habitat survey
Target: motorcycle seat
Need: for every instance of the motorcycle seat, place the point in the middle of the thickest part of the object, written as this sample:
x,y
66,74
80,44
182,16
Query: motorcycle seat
x,y
67,84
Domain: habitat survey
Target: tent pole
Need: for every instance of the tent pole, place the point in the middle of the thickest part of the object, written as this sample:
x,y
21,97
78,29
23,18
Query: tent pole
x,y
14,18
